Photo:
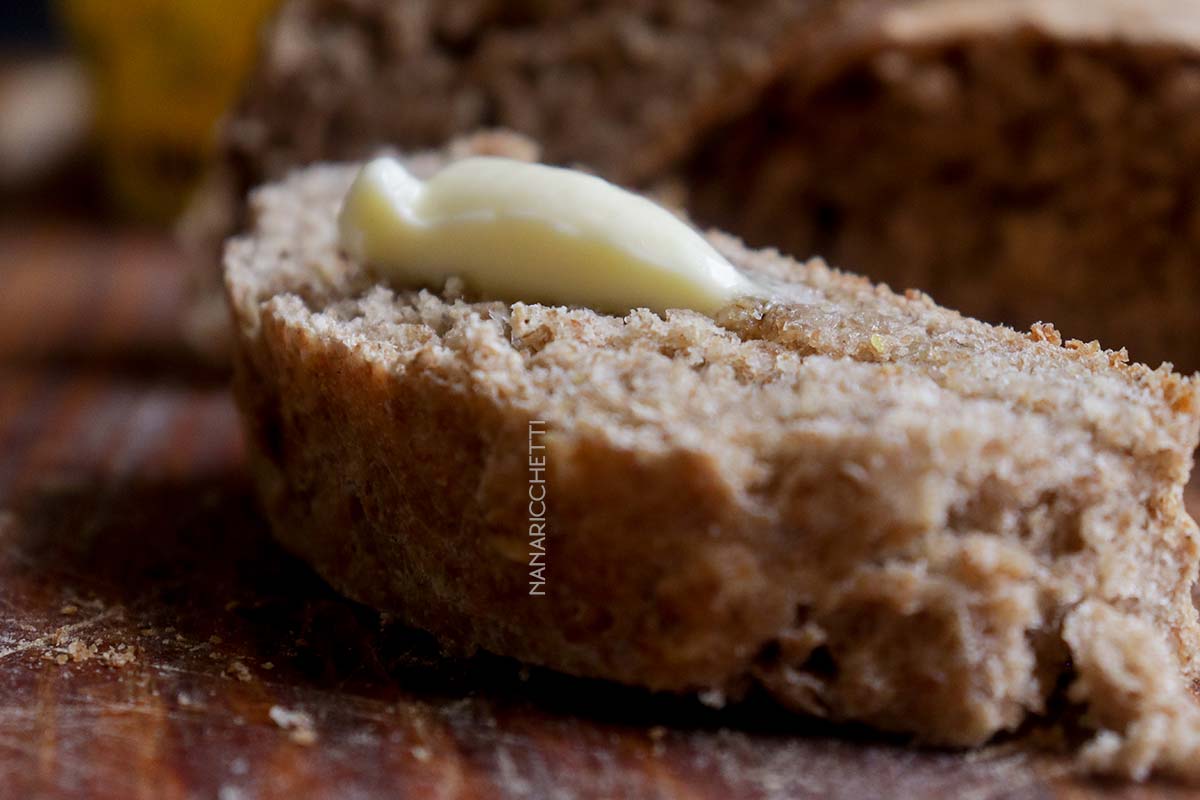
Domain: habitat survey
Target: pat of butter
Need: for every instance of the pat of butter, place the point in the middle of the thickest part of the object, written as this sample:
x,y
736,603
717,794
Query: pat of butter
x,y
521,231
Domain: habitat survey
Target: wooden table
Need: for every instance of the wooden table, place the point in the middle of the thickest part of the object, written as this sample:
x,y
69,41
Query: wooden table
x,y
156,643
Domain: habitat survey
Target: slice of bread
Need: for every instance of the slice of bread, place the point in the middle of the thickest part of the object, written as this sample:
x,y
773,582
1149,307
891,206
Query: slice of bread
x,y
1020,160
874,507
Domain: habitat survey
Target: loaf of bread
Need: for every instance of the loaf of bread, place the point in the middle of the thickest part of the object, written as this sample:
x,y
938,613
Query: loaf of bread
x,y
874,508
1018,159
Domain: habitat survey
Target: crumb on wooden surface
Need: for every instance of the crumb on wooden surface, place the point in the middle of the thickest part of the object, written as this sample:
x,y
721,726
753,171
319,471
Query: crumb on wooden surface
x,y
239,670
299,724
80,651
121,656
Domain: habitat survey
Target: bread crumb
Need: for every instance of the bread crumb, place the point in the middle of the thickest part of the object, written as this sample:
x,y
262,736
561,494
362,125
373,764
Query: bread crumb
x,y
304,736
299,724
239,671
1045,332
80,651
120,657
70,609
267,665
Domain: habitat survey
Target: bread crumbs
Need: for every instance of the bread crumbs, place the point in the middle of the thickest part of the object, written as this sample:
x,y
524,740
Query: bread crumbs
x,y
299,724
240,671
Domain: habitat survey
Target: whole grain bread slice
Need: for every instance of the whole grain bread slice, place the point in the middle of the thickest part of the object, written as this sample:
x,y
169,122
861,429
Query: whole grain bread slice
x,y
872,506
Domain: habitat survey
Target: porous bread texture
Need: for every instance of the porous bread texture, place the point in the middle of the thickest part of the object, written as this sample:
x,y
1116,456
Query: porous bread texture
x,y
1019,160
875,508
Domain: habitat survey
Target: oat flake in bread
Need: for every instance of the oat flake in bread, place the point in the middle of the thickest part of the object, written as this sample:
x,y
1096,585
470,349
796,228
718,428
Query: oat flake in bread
x,y
876,508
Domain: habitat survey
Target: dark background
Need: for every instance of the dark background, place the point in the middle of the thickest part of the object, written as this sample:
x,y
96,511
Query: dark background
x,y
28,24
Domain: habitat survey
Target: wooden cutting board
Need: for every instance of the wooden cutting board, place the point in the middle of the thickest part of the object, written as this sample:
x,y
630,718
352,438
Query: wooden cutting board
x,y
155,642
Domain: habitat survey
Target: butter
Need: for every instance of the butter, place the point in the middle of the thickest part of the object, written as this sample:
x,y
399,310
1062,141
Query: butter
x,y
519,231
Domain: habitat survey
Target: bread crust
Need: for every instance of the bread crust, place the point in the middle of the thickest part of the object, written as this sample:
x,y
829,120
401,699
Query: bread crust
x,y
875,508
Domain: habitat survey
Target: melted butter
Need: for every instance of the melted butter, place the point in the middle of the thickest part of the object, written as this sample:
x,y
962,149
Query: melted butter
x,y
521,231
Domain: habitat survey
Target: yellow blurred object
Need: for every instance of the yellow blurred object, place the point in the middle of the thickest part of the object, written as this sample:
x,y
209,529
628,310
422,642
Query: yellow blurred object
x,y
164,72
